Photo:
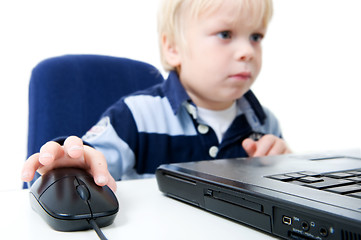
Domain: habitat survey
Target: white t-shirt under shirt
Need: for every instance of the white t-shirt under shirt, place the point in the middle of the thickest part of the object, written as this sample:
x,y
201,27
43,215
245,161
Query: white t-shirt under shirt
x,y
219,121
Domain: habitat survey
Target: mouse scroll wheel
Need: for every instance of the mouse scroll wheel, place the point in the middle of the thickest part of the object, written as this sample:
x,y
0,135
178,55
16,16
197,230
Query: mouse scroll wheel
x,y
83,192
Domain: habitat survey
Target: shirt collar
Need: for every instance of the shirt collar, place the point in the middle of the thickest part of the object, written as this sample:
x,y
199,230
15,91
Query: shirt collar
x,y
175,92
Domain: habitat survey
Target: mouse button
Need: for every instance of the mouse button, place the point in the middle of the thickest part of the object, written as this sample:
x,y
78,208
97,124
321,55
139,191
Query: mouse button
x,y
42,183
103,202
83,192
47,179
61,200
102,199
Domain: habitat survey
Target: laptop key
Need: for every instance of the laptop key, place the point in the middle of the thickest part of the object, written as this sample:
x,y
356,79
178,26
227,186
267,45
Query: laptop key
x,y
345,189
310,179
281,177
329,182
355,179
356,195
295,175
355,173
309,173
340,174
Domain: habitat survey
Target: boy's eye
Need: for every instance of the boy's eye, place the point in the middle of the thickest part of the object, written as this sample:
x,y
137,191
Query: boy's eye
x,y
257,37
225,35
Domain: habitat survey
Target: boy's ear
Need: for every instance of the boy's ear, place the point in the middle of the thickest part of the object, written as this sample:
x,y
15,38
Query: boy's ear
x,y
171,52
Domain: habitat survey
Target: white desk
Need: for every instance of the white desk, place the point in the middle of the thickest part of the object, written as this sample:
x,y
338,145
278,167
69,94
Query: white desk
x,y
144,213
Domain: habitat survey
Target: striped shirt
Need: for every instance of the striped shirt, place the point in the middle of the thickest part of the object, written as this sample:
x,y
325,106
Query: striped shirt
x,y
160,125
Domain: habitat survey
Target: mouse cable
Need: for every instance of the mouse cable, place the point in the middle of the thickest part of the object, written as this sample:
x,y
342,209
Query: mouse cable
x,y
97,229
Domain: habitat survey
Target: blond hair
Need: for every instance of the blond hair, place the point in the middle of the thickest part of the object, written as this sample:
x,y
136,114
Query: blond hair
x,y
171,17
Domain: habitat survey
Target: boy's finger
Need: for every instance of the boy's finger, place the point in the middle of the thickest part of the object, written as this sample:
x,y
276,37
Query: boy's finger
x,y
73,146
249,145
49,152
264,145
29,168
279,147
97,166
112,184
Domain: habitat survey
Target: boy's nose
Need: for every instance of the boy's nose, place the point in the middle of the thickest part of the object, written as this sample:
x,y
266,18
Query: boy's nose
x,y
245,52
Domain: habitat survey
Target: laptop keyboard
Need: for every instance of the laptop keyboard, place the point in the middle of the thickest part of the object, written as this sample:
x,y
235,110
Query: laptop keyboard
x,y
343,182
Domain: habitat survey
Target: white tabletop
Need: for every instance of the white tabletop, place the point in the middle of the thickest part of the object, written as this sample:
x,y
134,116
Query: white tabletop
x,y
144,213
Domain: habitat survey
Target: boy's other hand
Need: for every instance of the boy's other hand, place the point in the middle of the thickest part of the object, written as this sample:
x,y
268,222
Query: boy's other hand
x,y
266,146
72,154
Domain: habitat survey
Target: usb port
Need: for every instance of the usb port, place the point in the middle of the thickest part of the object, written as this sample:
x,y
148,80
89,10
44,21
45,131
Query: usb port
x,y
287,220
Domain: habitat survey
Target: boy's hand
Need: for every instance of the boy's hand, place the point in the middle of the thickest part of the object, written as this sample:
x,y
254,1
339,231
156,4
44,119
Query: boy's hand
x,y
266,146
72,154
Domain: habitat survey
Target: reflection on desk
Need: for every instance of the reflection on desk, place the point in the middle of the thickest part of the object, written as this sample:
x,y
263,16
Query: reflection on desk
x,y
144,213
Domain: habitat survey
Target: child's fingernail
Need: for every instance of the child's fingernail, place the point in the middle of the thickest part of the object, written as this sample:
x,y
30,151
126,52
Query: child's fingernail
x,y
75,151
101,180
25,175
45,158
75,148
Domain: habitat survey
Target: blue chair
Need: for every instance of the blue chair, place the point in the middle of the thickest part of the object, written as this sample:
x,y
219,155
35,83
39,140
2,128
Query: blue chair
x,y
68,94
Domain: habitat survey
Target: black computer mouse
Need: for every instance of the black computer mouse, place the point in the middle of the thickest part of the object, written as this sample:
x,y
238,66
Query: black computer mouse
x,y
68,199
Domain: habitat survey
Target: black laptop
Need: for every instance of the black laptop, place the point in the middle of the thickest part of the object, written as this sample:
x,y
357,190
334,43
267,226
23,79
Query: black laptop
x,y
315,196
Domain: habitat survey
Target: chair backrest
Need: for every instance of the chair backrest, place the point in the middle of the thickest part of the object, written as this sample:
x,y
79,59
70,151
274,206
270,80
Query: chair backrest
x,y
68,94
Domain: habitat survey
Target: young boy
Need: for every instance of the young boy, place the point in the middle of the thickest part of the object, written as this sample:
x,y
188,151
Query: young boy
x,y
204,110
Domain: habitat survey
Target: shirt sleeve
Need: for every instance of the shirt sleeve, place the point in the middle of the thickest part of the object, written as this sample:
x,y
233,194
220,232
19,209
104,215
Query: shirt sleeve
x,y
119,156
115,135
271,125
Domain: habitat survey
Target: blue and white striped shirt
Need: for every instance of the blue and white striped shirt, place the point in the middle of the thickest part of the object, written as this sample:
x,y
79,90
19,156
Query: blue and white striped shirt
x,y
160,125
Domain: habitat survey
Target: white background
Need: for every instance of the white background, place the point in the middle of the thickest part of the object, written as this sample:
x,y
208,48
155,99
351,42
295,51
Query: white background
x,y
310,78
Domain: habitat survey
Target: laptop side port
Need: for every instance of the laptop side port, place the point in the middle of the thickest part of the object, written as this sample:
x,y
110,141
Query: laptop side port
x,y
286,220
323,232
305,226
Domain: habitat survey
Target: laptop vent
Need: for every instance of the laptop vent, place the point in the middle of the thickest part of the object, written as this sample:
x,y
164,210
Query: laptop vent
x,y
346,235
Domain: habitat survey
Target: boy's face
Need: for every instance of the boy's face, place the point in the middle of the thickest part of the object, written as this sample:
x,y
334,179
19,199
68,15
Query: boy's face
x,y
222,56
